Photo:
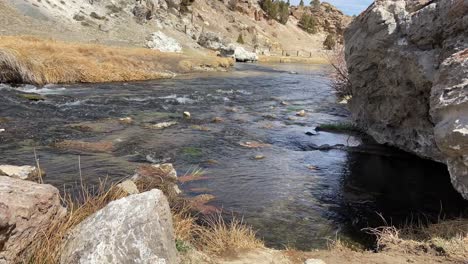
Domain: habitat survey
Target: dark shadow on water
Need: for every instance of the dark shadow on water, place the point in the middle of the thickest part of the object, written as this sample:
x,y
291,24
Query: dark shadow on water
x,y
397,189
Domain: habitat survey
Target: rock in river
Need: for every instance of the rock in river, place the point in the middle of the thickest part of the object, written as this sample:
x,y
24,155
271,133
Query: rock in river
x,y
408,65
134,229
29,173
26,209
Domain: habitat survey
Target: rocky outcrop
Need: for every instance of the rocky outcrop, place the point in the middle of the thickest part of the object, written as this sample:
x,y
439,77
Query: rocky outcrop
x,y
159,41
328,18
26,209
407,61
135,229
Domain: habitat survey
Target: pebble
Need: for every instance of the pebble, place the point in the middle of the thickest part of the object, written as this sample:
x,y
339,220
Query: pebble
x,y
259,157
187,115
2,130
301,113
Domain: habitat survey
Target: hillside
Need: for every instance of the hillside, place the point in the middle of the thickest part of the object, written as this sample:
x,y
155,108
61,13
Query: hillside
x,y
131,22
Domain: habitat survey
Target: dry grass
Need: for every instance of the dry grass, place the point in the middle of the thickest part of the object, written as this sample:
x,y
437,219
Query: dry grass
x,y
39,61
339,77
447,238
219,237
47,247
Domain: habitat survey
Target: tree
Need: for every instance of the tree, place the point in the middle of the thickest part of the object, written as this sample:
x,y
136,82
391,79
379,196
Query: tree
x,y
308,23
277,10
315,4
301,3
283,12
329,42
240,39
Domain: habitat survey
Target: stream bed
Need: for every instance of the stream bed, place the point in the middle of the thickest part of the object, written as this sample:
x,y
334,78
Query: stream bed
x,y
295,188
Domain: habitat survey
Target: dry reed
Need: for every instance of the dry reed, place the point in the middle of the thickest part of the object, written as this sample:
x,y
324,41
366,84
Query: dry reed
x,y
220,237
39,61
339,77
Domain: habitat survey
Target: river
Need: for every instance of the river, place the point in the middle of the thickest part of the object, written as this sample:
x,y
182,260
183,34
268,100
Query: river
x,y
291,190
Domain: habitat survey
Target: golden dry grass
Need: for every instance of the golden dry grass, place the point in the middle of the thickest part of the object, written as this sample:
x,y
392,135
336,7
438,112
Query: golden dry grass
x,y
40,61
219,237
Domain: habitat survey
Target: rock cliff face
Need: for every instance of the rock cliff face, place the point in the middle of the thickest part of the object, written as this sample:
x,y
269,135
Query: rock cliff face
x,y
408,65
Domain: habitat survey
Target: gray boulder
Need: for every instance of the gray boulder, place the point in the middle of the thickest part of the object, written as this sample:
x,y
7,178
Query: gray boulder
x,y
211,40
135,229
407,64
26,209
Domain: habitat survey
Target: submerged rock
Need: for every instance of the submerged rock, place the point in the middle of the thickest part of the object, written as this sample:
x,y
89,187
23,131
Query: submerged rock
x,y
159,41
155,172
408,63
163,125
134,229
26,208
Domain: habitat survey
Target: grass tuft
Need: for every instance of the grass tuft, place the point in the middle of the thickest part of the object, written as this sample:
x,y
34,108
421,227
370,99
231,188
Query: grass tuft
x,y
219,237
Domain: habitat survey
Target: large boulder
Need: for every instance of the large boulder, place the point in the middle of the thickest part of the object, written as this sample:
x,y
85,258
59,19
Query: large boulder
x,y
239,53
408,68
160,41
211,40
134,229
26,209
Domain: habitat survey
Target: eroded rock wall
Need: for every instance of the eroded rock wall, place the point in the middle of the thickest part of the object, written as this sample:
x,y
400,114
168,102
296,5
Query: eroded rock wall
x,y
407,61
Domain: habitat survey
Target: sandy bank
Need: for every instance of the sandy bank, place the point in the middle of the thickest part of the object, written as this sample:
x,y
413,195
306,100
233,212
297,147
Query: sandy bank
x,y
41,61
315,59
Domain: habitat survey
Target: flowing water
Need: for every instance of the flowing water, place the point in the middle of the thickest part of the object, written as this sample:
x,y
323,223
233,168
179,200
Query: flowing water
x,y
304,189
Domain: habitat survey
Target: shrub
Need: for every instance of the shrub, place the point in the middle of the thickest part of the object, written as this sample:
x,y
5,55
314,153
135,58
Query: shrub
x,y
329,42
240,39
308,23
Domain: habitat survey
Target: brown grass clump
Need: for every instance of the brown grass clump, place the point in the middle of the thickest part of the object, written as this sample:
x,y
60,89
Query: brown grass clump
x,y
220,237
447,238
47,247
39,61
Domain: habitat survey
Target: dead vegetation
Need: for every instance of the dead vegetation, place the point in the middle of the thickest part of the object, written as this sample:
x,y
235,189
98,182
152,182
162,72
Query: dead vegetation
x,y
339,80
447,238
40,61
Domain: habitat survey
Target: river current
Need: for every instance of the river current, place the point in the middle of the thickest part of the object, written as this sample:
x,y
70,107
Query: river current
x,y
298,189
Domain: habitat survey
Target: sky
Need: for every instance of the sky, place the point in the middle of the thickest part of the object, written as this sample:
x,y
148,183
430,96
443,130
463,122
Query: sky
x,y
349,7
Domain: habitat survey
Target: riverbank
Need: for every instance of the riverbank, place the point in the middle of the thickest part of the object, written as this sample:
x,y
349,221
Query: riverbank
x,y
315,59
39,61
